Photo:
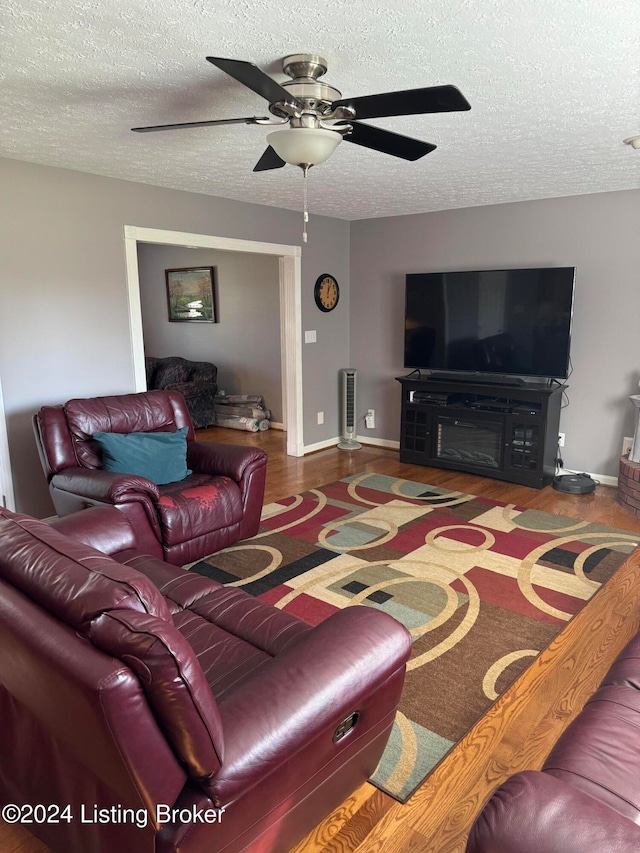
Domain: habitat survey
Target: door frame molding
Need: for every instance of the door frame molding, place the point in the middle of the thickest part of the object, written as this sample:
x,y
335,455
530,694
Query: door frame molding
x,y
7,495
290,271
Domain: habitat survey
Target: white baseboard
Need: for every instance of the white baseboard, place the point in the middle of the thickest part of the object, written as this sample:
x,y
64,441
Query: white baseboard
x,y
320,445
378,442
603,479
277,425
363,439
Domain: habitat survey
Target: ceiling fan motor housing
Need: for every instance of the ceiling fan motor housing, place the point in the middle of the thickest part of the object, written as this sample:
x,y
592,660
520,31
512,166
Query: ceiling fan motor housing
x,y
317,96
304,65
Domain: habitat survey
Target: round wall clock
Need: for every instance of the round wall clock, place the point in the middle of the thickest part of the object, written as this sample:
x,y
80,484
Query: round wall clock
x,y
326,292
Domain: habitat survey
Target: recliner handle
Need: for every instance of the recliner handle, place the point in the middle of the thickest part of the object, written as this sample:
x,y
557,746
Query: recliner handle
x,y
346,726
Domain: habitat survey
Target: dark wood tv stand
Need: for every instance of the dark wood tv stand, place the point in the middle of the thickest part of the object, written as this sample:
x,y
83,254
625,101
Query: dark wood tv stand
x,y
509,432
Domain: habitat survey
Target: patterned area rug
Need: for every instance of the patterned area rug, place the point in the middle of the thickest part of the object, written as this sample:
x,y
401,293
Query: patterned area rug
x,y
482,586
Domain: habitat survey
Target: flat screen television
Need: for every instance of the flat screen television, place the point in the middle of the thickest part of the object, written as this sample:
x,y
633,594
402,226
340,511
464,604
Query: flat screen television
x,y
512,323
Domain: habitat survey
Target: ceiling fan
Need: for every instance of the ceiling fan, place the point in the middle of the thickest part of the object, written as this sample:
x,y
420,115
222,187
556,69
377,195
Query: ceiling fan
x,y
317,116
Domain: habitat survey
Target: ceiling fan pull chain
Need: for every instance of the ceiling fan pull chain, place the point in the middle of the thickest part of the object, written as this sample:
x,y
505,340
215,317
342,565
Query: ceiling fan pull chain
x,y
305,203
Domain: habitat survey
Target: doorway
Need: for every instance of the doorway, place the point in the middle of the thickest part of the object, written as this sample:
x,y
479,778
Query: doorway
x,y
290,312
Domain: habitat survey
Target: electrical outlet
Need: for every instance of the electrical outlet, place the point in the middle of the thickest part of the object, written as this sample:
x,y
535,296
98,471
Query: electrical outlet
x,y
560,439
626,445
370,419
320,417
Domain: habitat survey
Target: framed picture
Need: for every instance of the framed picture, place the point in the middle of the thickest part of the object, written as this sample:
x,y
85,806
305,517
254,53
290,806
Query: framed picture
x,y
191,295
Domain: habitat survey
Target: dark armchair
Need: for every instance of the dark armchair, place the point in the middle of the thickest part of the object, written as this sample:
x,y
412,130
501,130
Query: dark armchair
x,y
218,503
195,380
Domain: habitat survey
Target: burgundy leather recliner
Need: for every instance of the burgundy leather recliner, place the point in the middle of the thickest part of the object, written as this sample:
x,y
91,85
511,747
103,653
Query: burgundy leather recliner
x,y
586,798
149,709
215,506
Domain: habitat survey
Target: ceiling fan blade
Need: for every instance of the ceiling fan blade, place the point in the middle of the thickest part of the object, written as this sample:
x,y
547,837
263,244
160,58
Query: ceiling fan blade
x,y
387,142
251,76
269,160
434,99
251,120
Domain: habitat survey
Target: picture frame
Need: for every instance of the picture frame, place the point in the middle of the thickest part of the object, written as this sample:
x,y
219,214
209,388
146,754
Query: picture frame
x,y
191,295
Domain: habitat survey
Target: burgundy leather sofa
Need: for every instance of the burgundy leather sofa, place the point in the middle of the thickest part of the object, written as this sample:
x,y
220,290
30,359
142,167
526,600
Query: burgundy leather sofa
x,y
168,712
586,798
213,507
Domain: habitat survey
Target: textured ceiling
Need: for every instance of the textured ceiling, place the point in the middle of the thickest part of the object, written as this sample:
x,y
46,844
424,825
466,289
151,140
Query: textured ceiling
x,y
554,87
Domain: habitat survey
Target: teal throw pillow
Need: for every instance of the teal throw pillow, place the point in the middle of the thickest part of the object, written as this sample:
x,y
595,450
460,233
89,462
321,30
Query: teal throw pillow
x,y
159,456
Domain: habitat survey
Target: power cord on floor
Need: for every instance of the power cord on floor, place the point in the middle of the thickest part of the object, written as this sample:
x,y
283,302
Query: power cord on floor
x,y
561,471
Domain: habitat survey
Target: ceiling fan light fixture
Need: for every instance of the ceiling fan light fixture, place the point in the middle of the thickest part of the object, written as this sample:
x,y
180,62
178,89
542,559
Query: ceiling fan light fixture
x,y
304,146
633,141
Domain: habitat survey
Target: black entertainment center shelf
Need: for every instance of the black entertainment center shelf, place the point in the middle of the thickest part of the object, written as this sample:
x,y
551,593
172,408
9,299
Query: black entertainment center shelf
x,y
505,431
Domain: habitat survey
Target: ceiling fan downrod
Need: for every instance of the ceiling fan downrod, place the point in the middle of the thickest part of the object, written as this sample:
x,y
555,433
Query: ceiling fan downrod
x,y
305,202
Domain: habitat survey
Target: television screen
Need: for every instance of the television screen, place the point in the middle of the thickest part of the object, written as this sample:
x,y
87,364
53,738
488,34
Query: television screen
x,y
507,322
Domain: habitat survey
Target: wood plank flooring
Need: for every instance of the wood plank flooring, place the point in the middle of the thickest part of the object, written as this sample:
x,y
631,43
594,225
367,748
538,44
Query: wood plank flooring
x,y
520,728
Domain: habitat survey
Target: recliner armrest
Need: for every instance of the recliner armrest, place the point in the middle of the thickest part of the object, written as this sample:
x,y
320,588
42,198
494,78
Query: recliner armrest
x,y
104,528
99,485
533,812
228,460
306,692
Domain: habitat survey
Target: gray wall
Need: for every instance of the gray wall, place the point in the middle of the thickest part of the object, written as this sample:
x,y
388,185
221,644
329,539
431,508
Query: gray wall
x,y
596,233
245,342
64,328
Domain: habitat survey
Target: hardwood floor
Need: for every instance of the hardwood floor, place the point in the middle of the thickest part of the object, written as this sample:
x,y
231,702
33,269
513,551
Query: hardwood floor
x,y
520,728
